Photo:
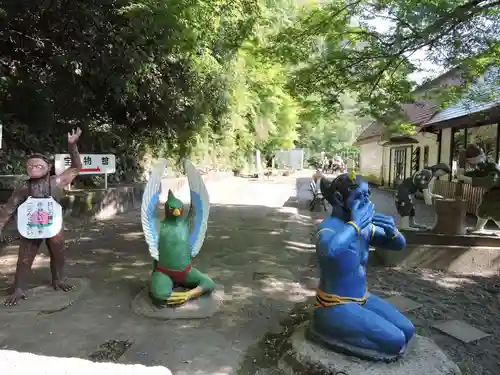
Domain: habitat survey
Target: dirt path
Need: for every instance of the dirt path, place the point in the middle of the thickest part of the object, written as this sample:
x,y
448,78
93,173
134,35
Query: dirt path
x,y
474,299
259,250
256,248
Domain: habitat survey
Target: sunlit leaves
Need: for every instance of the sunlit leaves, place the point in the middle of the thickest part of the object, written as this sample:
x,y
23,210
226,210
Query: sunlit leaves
x,y
338,48
182,76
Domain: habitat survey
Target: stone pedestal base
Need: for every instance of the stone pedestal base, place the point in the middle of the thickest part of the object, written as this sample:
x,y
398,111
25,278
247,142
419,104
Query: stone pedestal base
x,y
424,357
44,299
203,307
450,216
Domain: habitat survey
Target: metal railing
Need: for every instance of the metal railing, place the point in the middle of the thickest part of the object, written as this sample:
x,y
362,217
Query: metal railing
x,y
472,195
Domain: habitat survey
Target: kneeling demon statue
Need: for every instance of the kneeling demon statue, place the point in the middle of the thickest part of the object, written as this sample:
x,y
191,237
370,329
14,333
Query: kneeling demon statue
x,y
348,318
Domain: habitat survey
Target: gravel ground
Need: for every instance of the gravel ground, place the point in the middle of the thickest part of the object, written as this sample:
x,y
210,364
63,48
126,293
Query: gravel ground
x,y
473,299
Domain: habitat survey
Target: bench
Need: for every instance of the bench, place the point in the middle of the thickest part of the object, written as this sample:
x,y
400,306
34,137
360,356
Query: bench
x,y
317,197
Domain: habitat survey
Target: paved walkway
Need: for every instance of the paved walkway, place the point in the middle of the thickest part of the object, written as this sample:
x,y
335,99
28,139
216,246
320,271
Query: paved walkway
x,y
256,248
383,200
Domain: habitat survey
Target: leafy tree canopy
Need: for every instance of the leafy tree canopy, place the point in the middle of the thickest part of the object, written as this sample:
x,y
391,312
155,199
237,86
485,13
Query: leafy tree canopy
x,y
336,47
217,79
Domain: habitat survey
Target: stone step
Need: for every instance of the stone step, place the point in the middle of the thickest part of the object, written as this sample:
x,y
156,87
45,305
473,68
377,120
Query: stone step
x,y
428,238
460,259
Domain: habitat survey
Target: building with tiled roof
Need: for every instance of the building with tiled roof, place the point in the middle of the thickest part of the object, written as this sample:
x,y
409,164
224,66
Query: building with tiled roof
x,y
478,106
390,158
373,133
441,133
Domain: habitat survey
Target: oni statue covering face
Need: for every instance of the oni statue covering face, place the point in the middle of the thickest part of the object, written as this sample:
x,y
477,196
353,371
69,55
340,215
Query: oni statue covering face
x,y
37,166
343,192
360,192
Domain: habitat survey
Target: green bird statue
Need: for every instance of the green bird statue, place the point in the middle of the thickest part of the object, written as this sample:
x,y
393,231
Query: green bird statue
x,y
177,241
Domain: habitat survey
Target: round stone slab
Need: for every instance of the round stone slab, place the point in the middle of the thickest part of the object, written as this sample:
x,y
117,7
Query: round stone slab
x,y
44,299
200,308
423,357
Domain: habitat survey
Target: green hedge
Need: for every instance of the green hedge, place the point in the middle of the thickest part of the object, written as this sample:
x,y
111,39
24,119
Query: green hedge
x,y
9,182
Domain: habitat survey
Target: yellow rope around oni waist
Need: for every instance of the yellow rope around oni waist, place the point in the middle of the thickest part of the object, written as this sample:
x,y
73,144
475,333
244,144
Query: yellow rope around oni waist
x,y
324,299
328,300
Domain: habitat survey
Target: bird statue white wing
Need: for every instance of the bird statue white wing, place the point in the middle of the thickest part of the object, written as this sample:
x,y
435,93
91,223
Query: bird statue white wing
x,y
150,200
200,207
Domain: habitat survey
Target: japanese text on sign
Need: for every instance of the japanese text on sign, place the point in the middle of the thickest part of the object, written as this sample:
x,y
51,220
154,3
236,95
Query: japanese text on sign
x,y
87,160
39,218
91,163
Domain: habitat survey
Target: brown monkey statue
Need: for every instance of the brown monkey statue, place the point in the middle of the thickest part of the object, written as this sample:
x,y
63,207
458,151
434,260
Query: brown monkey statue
x,y
39,217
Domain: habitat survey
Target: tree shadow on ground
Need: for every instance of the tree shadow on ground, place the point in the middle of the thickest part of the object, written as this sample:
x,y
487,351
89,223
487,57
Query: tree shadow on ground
x,y
443,297
255,252
264,258
474,299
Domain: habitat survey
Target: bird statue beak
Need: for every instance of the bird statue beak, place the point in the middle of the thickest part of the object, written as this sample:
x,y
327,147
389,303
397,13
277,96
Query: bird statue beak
x,y
176,212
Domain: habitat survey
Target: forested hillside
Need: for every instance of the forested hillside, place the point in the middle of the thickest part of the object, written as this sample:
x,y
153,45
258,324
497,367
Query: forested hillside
x,y
216,79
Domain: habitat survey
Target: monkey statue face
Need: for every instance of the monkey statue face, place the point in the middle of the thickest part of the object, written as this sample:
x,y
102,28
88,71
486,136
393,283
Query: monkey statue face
x,y
37,167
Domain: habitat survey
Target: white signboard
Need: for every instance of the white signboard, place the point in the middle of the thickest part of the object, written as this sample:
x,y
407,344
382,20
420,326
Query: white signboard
x,y
39,218
91,163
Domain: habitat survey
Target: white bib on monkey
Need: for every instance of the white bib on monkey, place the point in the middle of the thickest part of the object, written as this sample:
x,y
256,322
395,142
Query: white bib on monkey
x,y
39,218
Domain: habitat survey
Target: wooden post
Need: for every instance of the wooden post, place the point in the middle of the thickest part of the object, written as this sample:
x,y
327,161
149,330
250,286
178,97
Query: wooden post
x,y
462,161
450,213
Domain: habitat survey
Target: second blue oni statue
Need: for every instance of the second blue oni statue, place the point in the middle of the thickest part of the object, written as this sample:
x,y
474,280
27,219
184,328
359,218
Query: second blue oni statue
x,y
347,318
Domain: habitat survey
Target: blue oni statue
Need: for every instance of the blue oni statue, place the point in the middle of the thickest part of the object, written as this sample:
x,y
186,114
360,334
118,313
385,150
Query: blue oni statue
x,y
347,318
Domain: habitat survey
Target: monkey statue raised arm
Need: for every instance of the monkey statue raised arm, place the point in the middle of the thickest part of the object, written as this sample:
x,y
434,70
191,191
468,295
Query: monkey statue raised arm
x,y
39,217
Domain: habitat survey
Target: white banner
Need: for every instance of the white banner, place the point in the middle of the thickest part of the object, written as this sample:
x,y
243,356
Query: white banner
x,y
91,163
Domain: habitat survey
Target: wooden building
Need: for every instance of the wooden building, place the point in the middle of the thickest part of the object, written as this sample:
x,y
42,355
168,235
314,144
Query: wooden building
x,y
440,135
473,119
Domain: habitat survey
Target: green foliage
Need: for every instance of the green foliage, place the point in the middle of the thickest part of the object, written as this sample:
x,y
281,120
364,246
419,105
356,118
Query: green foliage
x,y
314,161
217,79
402,128
322,129
171,78
337,49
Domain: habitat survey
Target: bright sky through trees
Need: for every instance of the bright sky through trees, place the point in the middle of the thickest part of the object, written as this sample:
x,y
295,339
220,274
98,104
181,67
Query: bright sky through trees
x,y
427,69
